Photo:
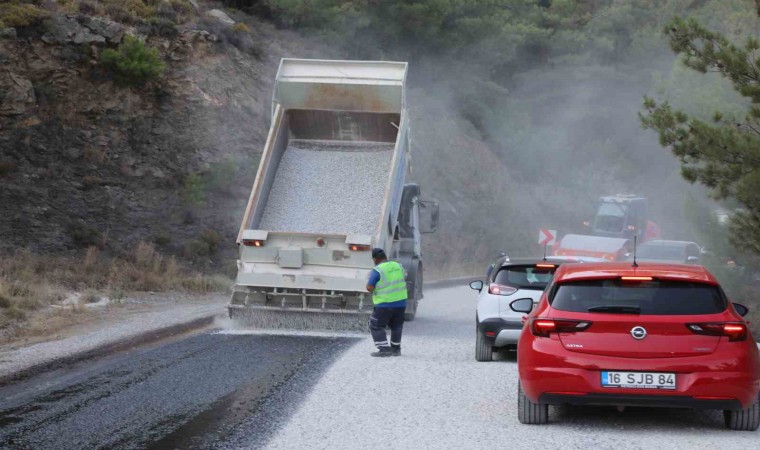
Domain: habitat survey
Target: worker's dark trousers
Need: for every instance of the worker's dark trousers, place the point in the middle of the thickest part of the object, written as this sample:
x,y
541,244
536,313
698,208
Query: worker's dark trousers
x,y
387,317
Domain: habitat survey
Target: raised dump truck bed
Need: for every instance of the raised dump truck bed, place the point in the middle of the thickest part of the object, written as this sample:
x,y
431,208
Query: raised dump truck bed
x,y
330,187
350,176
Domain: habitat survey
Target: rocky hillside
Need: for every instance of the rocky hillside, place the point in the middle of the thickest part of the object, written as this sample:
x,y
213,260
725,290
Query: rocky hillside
x,y
89,160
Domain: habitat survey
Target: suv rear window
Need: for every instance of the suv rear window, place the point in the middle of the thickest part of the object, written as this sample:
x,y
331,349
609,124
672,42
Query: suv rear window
x,y
660,252
657,297
525,276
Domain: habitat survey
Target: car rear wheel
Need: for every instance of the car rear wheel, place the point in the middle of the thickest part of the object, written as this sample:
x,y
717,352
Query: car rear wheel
x,y
744,419
483,348
528,412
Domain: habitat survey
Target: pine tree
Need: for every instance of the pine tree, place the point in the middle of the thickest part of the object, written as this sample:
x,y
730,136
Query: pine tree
x,y
722,154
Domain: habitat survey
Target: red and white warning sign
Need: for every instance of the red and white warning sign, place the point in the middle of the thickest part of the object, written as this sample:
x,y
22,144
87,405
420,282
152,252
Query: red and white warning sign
x,y
547,237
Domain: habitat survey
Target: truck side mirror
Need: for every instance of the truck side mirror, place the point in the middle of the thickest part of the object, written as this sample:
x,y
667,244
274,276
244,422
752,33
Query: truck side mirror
x,y
429,211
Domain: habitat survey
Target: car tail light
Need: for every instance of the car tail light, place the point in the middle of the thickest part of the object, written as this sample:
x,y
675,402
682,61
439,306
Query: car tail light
x,y
636,278
358,248
545,266
736,331
544,327
253,242
498,289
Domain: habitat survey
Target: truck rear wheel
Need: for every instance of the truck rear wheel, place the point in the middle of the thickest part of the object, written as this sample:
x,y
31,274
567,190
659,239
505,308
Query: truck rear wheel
x,y
415,295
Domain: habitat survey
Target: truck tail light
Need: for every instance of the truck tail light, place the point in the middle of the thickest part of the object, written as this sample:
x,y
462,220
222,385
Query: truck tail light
x,y
253,242
358,248
544,327
736,331
498,289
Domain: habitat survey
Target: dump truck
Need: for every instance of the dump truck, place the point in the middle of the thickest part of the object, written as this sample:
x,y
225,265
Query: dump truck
x,y
331,186
618,219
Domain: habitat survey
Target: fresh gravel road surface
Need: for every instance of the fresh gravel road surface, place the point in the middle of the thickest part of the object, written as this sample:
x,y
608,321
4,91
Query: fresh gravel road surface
x,y
234,389
437,396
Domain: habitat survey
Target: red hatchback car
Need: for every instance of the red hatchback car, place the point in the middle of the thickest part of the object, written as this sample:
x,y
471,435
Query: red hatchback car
x,y
653,335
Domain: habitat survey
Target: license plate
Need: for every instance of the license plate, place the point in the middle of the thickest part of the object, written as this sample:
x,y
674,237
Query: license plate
x,y
639,380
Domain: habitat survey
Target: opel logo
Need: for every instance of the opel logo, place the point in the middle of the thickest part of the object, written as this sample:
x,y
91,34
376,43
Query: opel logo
x,y
638,333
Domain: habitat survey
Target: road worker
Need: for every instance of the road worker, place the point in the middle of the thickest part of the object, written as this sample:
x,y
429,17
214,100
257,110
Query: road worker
x,y
387,283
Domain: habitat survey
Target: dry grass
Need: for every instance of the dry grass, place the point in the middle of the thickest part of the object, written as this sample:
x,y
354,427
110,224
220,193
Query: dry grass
x,y
30,283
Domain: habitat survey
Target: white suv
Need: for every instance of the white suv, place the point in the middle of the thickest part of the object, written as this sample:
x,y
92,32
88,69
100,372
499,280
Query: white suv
x,y
516,281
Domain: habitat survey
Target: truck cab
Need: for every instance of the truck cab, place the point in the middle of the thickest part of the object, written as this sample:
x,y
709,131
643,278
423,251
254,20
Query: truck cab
x,y
620,216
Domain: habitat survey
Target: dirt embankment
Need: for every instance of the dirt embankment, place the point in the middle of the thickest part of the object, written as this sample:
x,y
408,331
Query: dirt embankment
x,y
108,187
85,160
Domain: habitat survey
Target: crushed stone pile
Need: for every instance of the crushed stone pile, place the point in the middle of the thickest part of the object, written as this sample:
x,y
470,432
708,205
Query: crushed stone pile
x,y
330,187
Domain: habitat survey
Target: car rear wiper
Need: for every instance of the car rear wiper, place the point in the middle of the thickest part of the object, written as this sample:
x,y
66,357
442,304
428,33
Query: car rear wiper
x,y
615,309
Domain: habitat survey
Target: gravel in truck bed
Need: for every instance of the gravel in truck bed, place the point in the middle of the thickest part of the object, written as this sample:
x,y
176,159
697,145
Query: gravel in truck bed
x,y
329,187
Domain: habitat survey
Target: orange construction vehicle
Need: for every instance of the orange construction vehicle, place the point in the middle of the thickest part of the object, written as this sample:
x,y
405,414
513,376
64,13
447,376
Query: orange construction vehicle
x,y
610,234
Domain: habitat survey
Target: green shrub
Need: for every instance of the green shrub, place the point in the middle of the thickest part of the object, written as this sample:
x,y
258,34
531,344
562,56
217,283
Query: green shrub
x,y
162,238
5,302
91,8
182,6
240,27
85,236
16,14
160,26
205,245
133,64
6,167
130,11
194,190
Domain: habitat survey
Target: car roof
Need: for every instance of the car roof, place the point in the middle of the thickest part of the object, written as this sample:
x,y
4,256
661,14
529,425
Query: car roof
x,y
592,271
669,243
532,261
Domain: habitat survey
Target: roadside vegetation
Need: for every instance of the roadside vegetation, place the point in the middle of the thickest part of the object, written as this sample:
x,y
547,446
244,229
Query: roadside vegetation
x,y
30,282
133,64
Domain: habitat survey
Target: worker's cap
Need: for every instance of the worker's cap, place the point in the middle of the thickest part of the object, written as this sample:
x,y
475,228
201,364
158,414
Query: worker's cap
x,y
378,253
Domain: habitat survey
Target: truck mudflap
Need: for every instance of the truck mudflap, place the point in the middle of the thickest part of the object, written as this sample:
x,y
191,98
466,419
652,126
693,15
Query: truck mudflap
x,y
275,318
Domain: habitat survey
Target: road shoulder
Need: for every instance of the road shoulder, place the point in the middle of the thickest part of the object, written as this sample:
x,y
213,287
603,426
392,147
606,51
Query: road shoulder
x,y
151,317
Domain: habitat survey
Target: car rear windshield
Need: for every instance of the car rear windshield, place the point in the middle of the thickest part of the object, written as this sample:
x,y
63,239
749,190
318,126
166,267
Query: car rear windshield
x,y
525,276
657,297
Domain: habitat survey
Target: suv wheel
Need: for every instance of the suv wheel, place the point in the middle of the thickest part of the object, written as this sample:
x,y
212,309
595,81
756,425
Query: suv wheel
x,y
528,412
744,419
483,349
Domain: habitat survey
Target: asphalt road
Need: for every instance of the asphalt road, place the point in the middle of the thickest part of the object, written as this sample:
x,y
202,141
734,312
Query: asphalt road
x,y
234,390
192,393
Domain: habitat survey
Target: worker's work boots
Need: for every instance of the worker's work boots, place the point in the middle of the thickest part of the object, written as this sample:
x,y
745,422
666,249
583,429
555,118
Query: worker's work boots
x,y
395,351
382,352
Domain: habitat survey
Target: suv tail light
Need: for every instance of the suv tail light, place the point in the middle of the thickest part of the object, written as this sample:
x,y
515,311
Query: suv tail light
x,y
544,327
358,248
498,289
736,331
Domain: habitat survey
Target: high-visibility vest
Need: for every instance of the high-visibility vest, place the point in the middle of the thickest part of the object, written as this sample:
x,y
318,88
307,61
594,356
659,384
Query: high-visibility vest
x,y
392,284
